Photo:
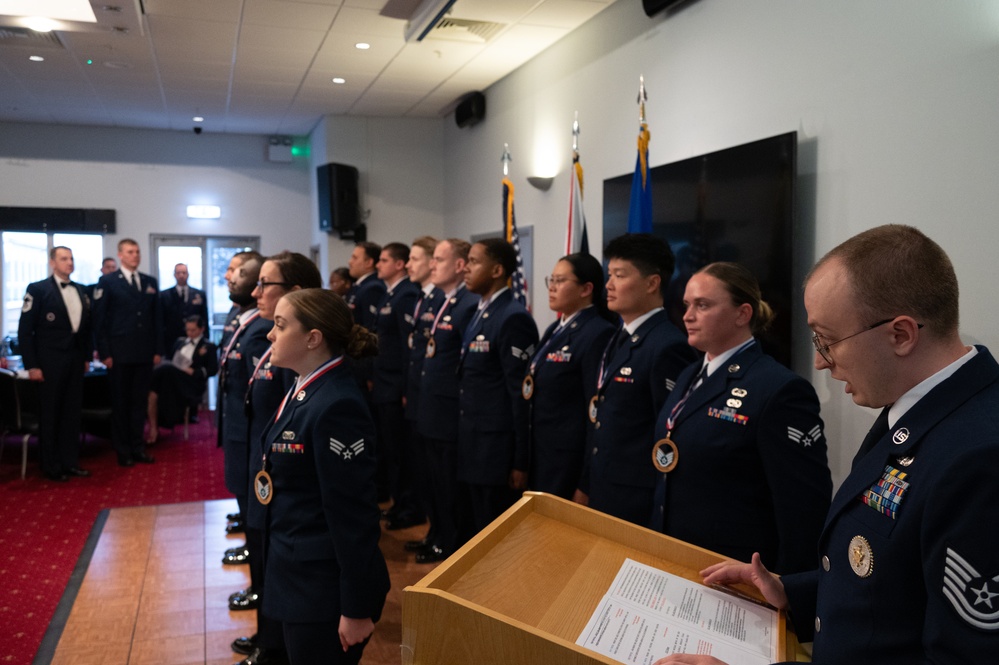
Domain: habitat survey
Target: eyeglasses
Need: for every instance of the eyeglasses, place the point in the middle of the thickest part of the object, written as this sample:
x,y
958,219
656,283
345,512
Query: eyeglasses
x,y
557,280
264,285
823,349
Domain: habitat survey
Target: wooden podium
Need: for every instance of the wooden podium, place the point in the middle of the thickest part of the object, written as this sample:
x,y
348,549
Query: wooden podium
x,y
523,589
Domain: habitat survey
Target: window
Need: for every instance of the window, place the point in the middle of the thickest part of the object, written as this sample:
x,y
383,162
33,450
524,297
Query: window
x,y
26,260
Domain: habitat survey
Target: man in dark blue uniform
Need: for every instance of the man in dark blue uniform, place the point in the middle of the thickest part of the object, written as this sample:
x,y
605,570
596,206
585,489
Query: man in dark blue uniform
x,y
494,418
908,558
639,369
417,456
55,338
367,291
127,321
393,325
239,357
179,304
437,418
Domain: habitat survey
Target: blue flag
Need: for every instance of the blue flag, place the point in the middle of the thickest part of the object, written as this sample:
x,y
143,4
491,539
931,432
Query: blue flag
x,y
640,208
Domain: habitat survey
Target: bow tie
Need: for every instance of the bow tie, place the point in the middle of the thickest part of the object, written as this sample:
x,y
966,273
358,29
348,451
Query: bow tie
x,y
64,284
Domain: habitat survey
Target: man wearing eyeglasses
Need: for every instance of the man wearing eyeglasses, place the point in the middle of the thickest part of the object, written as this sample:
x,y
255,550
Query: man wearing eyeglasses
x,y
909,555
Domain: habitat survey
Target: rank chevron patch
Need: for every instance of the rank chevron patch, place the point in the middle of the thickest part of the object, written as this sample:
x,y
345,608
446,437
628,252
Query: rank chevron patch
x,y
806,440
973,598
345,451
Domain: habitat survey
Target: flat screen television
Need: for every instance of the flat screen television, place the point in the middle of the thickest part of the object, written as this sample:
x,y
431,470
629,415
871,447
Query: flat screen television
x,y
736,204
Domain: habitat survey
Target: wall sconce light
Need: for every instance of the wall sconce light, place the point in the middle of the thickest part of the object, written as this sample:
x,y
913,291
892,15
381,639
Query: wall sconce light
x,y
204,212
544,184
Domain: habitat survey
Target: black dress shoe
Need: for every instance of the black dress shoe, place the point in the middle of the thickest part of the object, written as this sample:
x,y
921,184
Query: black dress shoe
x,y
235,558
403,522
125,461
78,472
144,458
244,645
241,592
234,517
57,477
235,550
250,601
235,527
417,545
431,555
264,657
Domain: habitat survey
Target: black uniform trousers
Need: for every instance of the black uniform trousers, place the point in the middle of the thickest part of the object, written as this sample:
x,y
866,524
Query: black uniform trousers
x,y
130,384
60,400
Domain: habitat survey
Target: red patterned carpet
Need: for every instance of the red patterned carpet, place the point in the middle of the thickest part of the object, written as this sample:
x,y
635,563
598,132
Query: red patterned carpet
x,y
44,525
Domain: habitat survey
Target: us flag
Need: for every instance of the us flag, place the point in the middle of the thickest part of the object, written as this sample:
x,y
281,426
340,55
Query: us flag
x,y
518,281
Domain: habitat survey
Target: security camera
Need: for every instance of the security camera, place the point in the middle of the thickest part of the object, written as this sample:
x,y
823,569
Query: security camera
x,y
197,130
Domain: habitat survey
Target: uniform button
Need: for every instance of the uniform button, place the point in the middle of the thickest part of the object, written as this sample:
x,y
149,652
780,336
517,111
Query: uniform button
x,y
818,624
596,425
601,398
825,563
594,450
423,373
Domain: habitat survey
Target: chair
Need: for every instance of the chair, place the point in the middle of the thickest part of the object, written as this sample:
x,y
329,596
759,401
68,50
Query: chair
x,y
19,415
95,412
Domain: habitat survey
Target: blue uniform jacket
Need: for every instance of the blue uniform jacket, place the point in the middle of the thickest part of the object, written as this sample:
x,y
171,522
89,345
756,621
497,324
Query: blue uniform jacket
x,y
363,299
127,320
44,329
494,419
930,595
426,310
269,386
393,325
176,310
438,414
251,344
565,378
752,432
323,558
640,375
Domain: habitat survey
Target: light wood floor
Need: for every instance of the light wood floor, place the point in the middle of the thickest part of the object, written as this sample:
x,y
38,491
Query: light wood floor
x,y
157,592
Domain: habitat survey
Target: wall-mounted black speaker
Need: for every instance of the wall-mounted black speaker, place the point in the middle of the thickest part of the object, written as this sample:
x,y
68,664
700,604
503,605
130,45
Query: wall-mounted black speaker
x,y
653,7
339,206
471,110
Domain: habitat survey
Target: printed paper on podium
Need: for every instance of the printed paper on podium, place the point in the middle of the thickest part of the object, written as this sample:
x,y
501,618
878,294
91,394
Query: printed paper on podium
x,y
648,614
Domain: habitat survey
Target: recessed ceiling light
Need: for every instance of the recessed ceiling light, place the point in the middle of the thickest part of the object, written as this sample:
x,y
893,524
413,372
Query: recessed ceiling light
x,y
198,118
36,58
40,24
364,46
339,81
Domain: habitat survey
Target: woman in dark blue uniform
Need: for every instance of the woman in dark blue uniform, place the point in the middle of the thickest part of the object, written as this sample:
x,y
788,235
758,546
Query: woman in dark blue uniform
x,y
739,441
561,376
318,483
279,274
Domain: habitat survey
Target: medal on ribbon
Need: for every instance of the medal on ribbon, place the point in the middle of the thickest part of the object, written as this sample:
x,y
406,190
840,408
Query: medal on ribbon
x,y
527,387
665,455
263,487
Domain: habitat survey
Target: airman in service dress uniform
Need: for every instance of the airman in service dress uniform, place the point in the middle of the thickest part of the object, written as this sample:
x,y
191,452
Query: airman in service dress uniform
x,y
750,429
908,557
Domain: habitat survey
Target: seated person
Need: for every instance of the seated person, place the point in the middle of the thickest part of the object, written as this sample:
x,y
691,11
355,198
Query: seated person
x,y
180,382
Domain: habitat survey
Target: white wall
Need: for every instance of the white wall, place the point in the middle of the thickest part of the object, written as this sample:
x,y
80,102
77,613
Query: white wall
x,y
401,164
150,177
895,103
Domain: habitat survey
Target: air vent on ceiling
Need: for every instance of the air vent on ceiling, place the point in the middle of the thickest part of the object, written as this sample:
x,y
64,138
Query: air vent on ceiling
x,y
464,30
17,36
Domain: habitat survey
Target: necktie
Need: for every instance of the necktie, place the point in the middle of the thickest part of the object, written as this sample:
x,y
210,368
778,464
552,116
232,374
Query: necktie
x,y
878,430
135,282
